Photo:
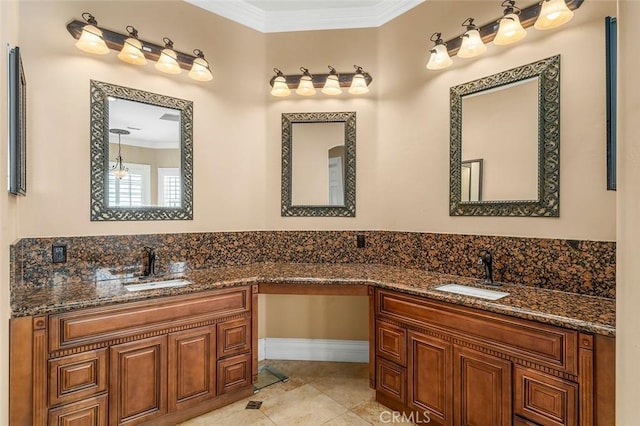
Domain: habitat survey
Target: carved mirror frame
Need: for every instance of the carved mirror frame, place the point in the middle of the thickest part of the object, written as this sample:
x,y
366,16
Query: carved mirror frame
x,y
100,210
548,202
349,207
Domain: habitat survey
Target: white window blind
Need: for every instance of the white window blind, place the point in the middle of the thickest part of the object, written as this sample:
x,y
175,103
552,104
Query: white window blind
x,y
133,190
169,187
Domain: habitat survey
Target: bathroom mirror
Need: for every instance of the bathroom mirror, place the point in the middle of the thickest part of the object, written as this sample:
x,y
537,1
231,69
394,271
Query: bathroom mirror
x,y
141,155
505,143
318,164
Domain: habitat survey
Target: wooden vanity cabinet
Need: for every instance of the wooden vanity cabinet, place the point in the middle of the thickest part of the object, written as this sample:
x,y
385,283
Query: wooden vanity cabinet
x,y
465,366
154,362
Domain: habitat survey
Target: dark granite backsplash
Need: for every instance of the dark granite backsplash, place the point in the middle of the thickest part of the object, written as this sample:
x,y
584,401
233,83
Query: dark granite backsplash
x,y
585,267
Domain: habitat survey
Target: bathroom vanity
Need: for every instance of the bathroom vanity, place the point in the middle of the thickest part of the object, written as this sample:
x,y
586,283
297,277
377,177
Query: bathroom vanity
x,y
101,355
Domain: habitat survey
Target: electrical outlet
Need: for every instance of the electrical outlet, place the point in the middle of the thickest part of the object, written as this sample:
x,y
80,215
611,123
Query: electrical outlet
x,y
59,253
361,241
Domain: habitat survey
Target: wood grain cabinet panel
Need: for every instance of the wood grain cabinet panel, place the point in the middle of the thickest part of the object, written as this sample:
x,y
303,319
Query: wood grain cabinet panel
x,y
391,343
234,337
192,367
138,381
234,373
548,401
391,380
79,376
482,385
519,421
430,377
90,412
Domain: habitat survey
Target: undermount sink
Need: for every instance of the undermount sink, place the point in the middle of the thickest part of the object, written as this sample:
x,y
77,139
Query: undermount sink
x,y
180,282
472,291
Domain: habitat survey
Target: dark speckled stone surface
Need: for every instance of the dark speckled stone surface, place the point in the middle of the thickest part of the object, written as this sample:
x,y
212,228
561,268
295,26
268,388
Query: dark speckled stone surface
x,y
586,313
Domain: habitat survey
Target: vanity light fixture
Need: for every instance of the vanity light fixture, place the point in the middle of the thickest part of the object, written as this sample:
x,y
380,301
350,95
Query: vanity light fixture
x,y
439,56
131,52
332,83
472,44
118,169
93,39
553,13
510,29
90,39
305,86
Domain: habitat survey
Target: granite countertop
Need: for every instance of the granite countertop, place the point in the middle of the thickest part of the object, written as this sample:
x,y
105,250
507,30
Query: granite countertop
x,y
574,311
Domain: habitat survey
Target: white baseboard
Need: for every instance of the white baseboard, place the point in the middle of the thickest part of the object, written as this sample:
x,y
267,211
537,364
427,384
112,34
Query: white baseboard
x,y
313,349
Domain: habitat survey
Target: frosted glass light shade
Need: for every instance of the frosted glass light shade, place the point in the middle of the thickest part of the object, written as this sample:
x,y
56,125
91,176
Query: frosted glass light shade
x,y
439,58
132,52
120,172
510,30
168,62
91,41
200,70
332,85
358,85
280,87
553,13
472,45
305,87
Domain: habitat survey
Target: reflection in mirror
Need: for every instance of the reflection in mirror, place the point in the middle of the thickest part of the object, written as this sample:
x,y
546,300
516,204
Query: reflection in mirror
x,y
318,164
141,155
505,143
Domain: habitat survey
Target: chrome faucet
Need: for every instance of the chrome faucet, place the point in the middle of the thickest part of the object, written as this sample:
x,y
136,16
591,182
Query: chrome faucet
x,y
486,259
150,268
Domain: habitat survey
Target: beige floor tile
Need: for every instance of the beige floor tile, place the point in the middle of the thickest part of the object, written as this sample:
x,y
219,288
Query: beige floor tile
x,y
347,419
304,405
348,391
377,414
246,417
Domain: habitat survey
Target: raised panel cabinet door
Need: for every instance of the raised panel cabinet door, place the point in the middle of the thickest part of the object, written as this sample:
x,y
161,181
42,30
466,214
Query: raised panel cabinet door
x,y
234,337
138,381
192,367
234,373
89,412
391,343
430,377
78,376
481,388
391,380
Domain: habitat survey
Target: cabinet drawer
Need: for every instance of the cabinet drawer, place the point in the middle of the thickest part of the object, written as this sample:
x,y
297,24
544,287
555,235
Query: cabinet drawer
x,y
90,412
99,324
547,400
519,421
234,373
234,337
391,343
391,380
75,377
547,345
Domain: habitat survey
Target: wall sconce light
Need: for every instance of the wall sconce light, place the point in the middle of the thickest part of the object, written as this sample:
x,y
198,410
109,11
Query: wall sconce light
x,y
508,29
306,83
472,44
439,56
133,50
118,169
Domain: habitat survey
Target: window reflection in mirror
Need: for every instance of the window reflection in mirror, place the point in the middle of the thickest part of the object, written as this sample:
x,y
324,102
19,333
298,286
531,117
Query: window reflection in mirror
x,y
471,180
150,152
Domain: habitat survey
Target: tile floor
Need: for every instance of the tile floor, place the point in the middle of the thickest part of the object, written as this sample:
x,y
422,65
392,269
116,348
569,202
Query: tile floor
x,y
317,393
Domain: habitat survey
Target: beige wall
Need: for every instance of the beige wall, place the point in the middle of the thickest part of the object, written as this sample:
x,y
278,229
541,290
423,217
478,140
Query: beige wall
x,y
8,203
628,271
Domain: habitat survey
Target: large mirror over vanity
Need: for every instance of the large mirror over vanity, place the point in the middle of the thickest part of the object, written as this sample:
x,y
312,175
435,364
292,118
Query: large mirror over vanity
x,y
141,155
505,143
318,164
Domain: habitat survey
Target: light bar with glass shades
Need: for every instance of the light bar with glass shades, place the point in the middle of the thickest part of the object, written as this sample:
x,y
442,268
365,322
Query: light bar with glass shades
x,y
331,84
131,49
508,29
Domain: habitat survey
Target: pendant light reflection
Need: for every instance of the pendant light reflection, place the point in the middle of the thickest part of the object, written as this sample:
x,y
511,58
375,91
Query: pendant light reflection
x,y
91,40
200,70
439,58
280,87
305,87
553,13
118,169
131,52
359,82
332,84
472,44
168,60
510,29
